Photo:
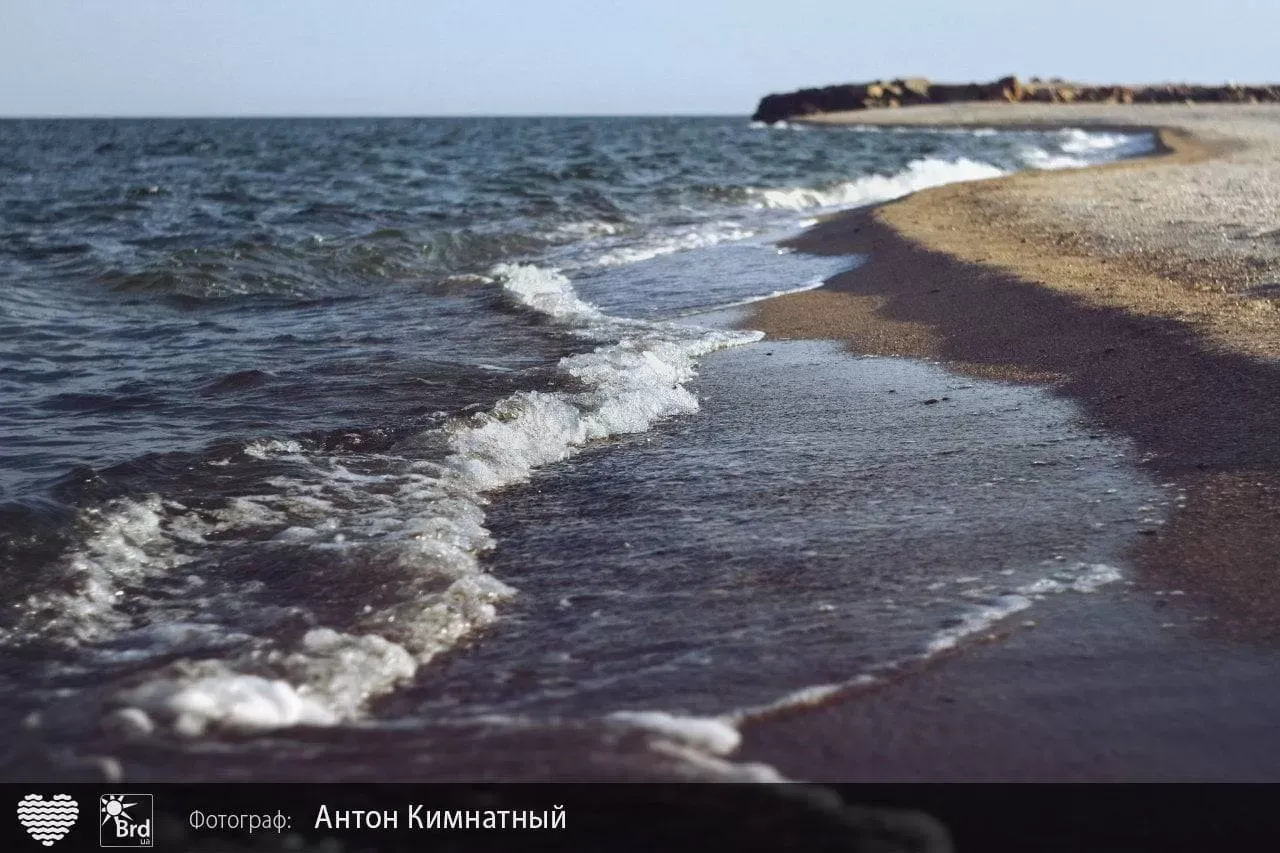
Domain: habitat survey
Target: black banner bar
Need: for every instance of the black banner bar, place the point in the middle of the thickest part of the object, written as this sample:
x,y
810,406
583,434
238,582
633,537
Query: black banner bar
x,y
333,818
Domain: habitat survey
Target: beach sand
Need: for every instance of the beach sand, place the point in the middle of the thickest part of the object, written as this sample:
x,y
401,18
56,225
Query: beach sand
x,y
1147,291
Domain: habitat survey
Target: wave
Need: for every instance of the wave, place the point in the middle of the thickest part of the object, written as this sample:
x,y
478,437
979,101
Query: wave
x,y
319,267
406,528
1070,148
1078,141
778,125
1082,578
683,240
713,739
986,614
1079,148
813,284
918,175
378,555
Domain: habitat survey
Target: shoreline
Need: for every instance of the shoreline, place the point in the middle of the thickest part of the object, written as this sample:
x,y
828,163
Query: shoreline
x,y
970,276
1165,241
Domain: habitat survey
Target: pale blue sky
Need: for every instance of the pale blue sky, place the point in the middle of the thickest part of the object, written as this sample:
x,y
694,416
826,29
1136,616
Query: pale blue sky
x,y
435,57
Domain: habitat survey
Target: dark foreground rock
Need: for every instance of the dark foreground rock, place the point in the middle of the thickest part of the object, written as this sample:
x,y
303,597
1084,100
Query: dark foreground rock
x,y
918,90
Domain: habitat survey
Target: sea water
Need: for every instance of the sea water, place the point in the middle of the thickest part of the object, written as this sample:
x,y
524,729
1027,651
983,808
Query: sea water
x,y
367,426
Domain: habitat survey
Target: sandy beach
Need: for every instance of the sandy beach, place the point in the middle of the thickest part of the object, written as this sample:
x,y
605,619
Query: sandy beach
x,y
1145,291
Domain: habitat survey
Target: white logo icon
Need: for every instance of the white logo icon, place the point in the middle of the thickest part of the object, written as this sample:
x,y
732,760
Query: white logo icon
x,y
127,820
48,821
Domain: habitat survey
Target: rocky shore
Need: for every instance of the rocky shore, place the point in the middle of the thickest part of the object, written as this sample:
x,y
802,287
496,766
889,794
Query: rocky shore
x,y
913,91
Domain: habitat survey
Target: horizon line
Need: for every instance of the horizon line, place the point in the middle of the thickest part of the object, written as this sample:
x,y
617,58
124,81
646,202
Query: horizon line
x,y
290,116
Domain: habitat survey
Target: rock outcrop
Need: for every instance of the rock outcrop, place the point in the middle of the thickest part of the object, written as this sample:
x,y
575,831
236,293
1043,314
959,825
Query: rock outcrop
x,y
906,92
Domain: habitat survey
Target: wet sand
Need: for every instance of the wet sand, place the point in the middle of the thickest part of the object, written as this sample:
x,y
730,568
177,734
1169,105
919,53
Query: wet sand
x,y
1131,290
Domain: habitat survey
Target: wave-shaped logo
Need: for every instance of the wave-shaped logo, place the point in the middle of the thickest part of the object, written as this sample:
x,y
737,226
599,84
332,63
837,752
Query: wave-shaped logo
x,y
48,821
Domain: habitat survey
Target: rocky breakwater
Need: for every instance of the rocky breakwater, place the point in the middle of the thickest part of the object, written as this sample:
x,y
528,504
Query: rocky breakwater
x,y
911,91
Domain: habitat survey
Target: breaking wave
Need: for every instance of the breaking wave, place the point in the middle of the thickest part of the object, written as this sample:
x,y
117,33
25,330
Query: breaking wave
x,y
405,528
919,174
291,581
1073,148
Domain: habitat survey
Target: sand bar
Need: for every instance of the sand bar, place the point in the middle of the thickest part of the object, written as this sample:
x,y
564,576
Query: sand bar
x,y
1193,235
1143,291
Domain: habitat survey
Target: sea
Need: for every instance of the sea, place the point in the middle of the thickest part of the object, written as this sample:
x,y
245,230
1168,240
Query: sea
x,y
438,448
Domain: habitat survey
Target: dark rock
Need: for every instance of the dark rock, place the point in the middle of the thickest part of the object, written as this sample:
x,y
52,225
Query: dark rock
x,y
905,92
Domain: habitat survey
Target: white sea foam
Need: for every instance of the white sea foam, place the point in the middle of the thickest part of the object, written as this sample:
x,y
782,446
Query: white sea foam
x,y
706,742
808,285
718,768
1078,141
263,449
421,521
126,545
778,125
919,174
1083,577
329,678
806,697
711,735
588,228
1079,148
702,744
1076,148
546,292
1079,578
699,237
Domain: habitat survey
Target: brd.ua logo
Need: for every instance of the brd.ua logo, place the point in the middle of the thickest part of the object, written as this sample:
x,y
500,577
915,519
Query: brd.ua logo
x,y
127,820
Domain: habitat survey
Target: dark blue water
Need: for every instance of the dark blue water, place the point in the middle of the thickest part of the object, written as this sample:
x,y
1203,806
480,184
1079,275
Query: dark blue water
x,y
261,381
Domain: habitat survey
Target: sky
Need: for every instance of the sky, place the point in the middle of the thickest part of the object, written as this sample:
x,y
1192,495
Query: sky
x,y
580,57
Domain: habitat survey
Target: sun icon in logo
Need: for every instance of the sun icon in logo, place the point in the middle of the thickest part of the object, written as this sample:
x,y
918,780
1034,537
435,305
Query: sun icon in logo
x,y
113,806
